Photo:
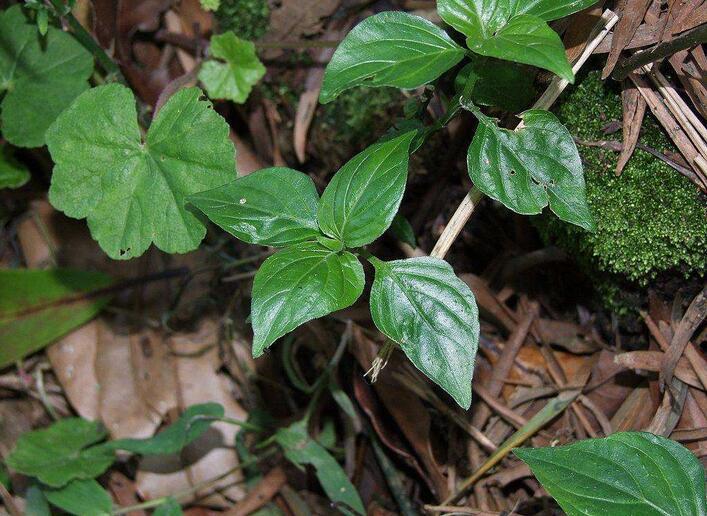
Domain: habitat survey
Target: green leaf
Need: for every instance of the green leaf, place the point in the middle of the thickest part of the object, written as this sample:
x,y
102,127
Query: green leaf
x,y
390,49
422,305
193,422
273,206
301,449
485,17
625,474
403,231
509,86
38,307
299,284
35,502
12,173
81,497
528,168
59,454
40,76
132,192
170,508
238,70
361,200
515,31
210,5
526,39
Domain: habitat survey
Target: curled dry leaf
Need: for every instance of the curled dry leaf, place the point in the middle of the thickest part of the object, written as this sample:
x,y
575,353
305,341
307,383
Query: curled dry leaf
x,y
411,416
634,109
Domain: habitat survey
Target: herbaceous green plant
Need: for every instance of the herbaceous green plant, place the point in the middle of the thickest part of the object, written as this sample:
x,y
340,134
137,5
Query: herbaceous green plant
x,y
65,458
134,190
233,68
40,76
419,303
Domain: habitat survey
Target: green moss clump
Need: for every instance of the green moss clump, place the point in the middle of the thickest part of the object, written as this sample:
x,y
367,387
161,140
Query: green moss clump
x,y
247,18
650,220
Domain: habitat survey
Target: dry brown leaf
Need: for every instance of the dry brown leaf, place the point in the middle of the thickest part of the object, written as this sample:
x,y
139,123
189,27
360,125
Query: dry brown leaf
x,y
292,19
652,361
692,77
124,409
309,99
634,109
407,410
261,494
196,364
632,13
580,27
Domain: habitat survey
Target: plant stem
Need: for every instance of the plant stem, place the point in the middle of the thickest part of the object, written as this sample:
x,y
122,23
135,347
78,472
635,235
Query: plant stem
x,y
108,65
469,203
149,504
551,410
457,223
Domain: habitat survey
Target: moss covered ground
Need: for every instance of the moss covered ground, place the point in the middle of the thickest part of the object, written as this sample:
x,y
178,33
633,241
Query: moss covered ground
x,y
650,220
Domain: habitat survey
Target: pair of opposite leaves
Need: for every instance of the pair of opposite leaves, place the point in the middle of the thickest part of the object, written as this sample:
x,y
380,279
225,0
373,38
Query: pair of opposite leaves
x,y
406,51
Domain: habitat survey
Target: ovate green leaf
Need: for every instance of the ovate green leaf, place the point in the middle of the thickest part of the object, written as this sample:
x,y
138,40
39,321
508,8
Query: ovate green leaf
x,y
35,502
526,39
12,173
81,497
422,305
273,206
235,69
133,192
484,17
60,453
625,474
390,49
39,75
528,168
193,422
299,284
38,307
301,450
498,83
363,197
403,230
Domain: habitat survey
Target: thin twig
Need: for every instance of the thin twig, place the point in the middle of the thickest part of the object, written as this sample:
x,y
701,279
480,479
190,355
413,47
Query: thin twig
x,y
687,39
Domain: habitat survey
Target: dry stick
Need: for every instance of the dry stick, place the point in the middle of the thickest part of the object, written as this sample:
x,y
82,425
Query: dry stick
x,y
499,407
466,207
672,96
674,129
503,365
695,314
684,41
553,408
693,356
